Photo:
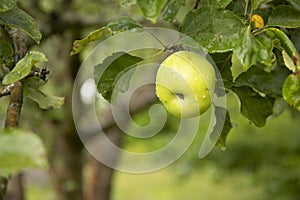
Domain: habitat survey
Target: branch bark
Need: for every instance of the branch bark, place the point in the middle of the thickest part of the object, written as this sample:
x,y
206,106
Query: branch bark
x,y
13,115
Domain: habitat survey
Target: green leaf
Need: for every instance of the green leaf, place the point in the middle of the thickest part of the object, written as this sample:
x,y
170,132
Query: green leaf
x,y
291,90
6,54
98,34
223,62
110,70
269,83
19,150
236,68
127,2
151,8
225,131
17,18
295,4
256,3
295,38
6,49
288,61
6,5
285,42
250,51
171,10
206,26
253,106
32,90
219,3
285,16
123,24
23,67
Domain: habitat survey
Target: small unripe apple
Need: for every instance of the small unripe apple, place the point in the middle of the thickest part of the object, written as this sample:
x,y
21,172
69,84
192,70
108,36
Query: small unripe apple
x,y
185,83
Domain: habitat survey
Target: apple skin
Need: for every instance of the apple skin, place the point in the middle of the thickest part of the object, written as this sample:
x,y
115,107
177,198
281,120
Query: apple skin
x,y
185,83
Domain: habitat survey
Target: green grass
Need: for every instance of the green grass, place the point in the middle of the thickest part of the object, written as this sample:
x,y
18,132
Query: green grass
x,y
203,183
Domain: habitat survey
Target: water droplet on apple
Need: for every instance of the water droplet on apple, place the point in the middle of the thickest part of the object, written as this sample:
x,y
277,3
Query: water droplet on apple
x,y
204,96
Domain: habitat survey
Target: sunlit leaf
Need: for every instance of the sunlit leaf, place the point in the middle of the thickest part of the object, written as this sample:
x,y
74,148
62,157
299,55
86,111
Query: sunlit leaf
x,y
127,2
237,68
250,51
33,91
111,69
219,3
17,18
256,3
288,61
19,150
253,106
291,90
98,34
123,24
206,26
6,5
171,10
269,83
151,9
23,67
285,16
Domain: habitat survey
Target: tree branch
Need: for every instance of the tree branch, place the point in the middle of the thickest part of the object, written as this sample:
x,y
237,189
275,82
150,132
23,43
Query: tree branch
x,y
15,103
16,92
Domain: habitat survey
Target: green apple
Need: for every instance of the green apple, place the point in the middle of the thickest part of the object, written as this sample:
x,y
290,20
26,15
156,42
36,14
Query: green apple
x,y
185,83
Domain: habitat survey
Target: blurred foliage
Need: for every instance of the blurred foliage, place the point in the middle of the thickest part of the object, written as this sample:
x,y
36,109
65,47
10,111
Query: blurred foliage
x,y
266,159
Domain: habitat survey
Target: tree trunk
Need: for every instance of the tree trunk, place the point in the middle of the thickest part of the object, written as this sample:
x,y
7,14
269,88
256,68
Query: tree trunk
x,y
99,176
15,189
66,150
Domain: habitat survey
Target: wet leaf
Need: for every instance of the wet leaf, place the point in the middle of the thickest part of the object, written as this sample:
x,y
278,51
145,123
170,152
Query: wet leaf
x,y
250,51
23,67
206,26
18,18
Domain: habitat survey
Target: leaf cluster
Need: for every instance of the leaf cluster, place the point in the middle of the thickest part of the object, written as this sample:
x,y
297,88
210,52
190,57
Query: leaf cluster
x,y
254,45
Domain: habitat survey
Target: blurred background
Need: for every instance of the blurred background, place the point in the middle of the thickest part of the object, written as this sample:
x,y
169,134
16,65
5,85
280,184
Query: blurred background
x,y
258,163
